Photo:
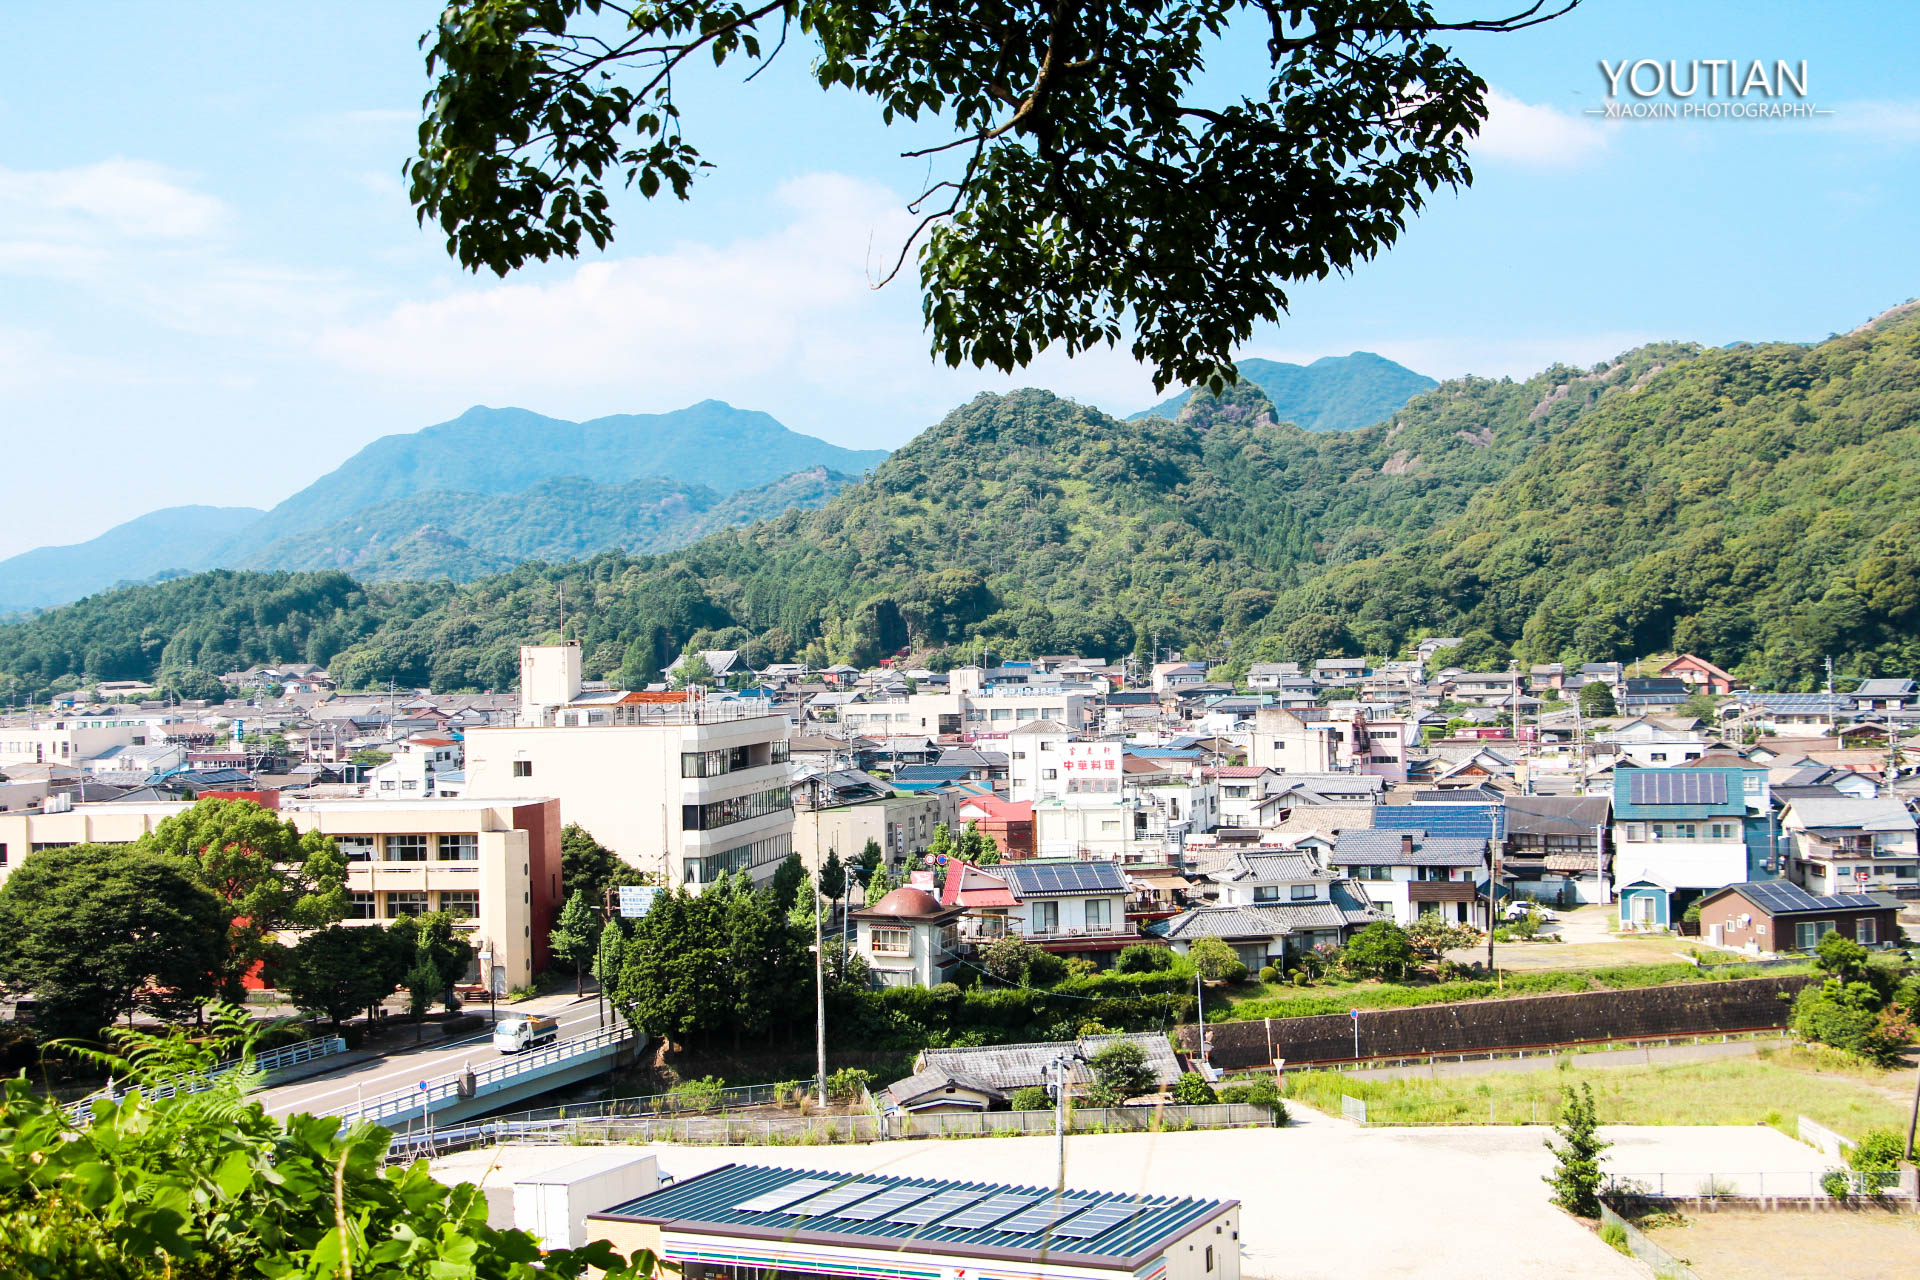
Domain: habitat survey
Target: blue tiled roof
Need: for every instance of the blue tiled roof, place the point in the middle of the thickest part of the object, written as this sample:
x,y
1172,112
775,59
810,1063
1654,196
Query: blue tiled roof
x,y
1478,821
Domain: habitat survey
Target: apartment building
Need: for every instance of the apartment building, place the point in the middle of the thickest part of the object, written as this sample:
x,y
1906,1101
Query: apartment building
x,y
690,789
1304,741
71,741
901,824
494,866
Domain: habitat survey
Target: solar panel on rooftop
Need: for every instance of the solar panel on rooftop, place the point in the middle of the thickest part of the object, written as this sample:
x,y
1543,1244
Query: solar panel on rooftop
x,y
768,1201
883,1204
990,1211
1044,1215
938,1207
1100,1218
827,1201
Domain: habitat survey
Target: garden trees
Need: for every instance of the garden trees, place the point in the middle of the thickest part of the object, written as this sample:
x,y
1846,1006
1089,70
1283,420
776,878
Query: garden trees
x,y
1084,121
1009,958
269,876
721,960
339,970
1215,961
1192,1090
1381,949
1596,699
95,931
429,938
871,859
1139,957
1431,936
1120,1071
976,846
575,937
1576,1176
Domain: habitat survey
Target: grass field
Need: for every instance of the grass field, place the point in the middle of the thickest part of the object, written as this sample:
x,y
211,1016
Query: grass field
x,y
1822,1246
1279,1000
1772,1088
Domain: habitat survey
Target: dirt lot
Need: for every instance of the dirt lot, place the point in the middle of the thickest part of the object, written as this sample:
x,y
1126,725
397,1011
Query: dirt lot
x,y
1821,1246
1322,1198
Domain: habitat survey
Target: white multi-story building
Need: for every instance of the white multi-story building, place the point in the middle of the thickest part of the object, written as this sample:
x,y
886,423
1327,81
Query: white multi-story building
x,y
417,770
71,741
689,789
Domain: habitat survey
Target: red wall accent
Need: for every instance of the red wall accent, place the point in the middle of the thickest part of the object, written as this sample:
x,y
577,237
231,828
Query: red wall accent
x,y
540,819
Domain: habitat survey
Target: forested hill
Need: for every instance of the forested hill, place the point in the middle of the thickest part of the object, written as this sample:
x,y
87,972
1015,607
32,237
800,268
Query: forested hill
x,y
1334,393
1751,504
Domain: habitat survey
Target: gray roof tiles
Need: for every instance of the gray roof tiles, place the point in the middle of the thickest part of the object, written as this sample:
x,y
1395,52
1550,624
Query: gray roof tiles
x,y
1383,847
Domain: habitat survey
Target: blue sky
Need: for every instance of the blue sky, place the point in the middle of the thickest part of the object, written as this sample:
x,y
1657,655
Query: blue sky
x,y
214,289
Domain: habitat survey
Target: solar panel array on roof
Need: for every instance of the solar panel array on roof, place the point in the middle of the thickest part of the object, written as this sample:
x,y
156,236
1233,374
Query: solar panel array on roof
x,y
767,1202
883,1204
1780,896
1083,1226
1065,877
1043,1216
1676,786
939,1207
1476,821
839,1197
990,1210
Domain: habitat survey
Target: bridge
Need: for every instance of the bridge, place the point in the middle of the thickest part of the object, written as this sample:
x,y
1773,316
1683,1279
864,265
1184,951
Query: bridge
x,y
462,1081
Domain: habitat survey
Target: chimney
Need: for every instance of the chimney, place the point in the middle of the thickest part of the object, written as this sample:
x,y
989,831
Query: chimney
x,y
1406,843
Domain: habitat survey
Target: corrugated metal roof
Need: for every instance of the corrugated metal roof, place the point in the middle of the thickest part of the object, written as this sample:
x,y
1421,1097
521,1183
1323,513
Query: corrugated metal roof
x,y
1015,1066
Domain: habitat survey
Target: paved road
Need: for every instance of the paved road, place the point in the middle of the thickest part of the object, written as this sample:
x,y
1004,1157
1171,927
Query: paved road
x,y
435,1059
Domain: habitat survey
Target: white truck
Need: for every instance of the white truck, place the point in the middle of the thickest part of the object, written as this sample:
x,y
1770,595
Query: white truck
x,y
511,1035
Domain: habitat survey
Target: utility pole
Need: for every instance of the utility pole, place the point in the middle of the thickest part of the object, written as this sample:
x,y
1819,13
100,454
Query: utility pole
x,y
819,961
1832,720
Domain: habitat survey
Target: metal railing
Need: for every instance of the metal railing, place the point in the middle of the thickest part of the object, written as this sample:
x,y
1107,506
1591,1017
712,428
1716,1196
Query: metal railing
x,y
1795,1184
272,1060
403,1104
1081,1119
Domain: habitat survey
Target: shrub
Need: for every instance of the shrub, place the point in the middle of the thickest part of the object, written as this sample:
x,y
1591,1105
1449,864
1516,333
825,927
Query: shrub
x,y
1192,1090
1045,969
1269,974
1101,1095
464,1024
1837,1183
1612,1233
1121,1069
1141,958
1299,978
1214,960
703,1094
1030,1098
1576,1175
848,1083
1878,1151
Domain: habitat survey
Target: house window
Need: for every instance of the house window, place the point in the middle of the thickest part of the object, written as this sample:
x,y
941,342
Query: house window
x,y
1636,831
1209,1258
1371,873
1266,893
523,768
1657,756
461,904
406,902
1752,784
1046,917
1720,831
360,906
892,942
1100,914
1807,933
355,848
464,847
1048,775
1113,824
406,848
1864,932
1019,755
1304,893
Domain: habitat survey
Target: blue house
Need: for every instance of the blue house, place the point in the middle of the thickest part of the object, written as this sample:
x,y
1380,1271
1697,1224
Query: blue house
x,y
1682,832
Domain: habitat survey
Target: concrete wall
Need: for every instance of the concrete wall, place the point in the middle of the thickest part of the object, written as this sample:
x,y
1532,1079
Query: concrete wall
x,y
1691,1008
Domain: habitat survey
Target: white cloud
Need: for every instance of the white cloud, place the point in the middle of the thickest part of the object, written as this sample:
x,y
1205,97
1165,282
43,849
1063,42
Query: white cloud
x,y
1883,121
1520,133
119,199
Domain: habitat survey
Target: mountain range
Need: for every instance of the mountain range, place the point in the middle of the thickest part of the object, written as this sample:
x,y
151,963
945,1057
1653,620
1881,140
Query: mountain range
x,y
1334,393
475,496
1752,504
495,487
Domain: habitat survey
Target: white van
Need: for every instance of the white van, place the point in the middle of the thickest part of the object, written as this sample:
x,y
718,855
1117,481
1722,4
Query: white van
x,y
511,1035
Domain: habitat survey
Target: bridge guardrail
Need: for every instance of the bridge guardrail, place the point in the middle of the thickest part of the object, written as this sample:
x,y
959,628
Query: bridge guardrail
x,y
401,1104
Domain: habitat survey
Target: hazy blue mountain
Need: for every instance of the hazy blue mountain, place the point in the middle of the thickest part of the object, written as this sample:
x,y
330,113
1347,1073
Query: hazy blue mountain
x,y
498,451
171,538
449,534
1334,393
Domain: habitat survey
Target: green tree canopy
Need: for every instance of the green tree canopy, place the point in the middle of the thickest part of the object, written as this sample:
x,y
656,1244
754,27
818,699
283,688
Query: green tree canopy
x,y
430,938
340,970
590,867
1215,961
1381,949
1170,210
93,931
270,875
575,937
1596,699
1121,1069
788,879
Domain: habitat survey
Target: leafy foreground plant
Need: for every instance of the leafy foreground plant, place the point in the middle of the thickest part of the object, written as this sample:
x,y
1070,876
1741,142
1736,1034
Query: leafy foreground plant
x,y
206,1186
